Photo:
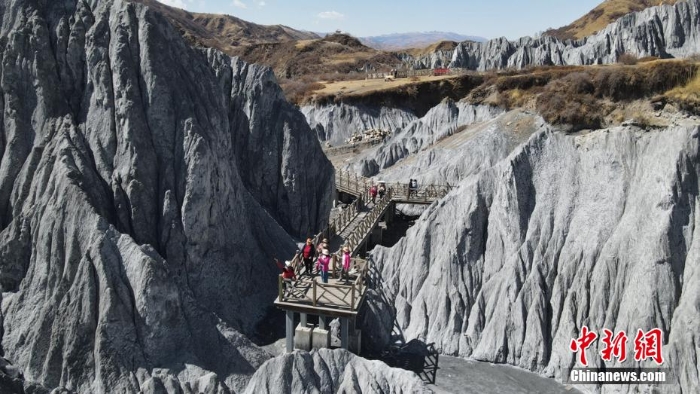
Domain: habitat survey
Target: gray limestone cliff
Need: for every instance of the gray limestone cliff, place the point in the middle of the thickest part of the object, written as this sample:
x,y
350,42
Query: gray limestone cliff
x,y
331,371
144,188
597,229
336,123
441,122
663,31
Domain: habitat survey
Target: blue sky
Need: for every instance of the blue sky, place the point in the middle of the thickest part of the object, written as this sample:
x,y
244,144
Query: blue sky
x,y
490,18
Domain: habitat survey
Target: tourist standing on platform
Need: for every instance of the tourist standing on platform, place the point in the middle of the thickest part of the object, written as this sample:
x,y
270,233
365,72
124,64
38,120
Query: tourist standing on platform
x,y
381,190
373,193
323,263
321,246
308,252
413,188
287,270
346,263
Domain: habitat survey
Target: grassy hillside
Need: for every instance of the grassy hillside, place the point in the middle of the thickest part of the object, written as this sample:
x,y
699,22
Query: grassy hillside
x,y
224,32
580,96
601,16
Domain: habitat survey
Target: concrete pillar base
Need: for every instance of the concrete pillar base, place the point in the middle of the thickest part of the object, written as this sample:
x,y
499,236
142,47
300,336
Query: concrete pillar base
x,y
302,337
320,338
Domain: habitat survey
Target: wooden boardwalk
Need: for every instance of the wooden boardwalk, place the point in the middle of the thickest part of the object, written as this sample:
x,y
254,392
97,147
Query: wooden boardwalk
x,y
356,185
352,227
340,297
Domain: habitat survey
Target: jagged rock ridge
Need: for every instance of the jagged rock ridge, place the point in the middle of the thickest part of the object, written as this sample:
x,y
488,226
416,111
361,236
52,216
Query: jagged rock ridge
x,y
597,229
331,371
144,188
442,121
663,31
336,123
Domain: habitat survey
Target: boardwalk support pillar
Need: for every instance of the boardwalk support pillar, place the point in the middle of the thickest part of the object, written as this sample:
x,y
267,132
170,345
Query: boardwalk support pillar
x,y
290,331
390,213
344,332
321,336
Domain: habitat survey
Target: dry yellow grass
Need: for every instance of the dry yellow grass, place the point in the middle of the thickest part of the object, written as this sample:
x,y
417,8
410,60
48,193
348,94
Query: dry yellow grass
x,y
304,43
689,93
370,85
348,58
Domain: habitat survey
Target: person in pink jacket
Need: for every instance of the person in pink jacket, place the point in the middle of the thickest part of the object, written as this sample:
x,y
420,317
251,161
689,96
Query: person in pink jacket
x,y
346,262
322,264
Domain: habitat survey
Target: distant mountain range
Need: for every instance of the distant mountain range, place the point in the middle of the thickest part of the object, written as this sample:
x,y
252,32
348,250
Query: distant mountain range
x,y
399,41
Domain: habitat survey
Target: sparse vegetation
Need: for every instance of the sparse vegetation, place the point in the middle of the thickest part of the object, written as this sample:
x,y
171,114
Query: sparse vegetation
x,y
628,59
686,96
582,96
297,91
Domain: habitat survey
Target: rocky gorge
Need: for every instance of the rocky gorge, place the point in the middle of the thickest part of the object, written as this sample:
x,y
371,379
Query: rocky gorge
x,y
146,186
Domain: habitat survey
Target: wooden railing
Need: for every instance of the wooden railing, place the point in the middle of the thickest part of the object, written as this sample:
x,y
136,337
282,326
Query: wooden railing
x,y
326,294
355,184
352,183
357,236
337,225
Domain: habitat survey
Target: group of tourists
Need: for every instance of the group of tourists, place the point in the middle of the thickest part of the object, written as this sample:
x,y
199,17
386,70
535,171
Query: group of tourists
x,y
377,190
322,257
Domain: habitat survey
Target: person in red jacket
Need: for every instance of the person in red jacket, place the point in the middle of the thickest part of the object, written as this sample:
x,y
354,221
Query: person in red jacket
x,y
287,270
373,193
308,252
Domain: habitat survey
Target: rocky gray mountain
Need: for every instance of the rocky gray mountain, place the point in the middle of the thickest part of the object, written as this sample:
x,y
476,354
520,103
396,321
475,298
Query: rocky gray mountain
x,y
596,229
444,120
331,371
663,31
144,188
336,123
466,151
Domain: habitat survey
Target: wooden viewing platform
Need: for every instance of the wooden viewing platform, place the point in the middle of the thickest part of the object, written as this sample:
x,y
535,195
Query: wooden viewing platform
x,y
340,298
337,298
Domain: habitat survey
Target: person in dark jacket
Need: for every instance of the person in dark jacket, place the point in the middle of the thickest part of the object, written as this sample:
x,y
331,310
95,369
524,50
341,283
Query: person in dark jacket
x,y
308,252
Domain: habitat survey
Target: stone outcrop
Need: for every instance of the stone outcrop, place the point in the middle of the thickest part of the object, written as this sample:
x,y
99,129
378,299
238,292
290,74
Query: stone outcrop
x,y
442,121
336,123
331,371
144,188
465,151
598,229
663,31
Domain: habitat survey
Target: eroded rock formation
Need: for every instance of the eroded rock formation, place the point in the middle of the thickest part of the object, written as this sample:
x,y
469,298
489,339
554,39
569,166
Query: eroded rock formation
x,y
331,371
663,31
144,188
336,123
598,229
